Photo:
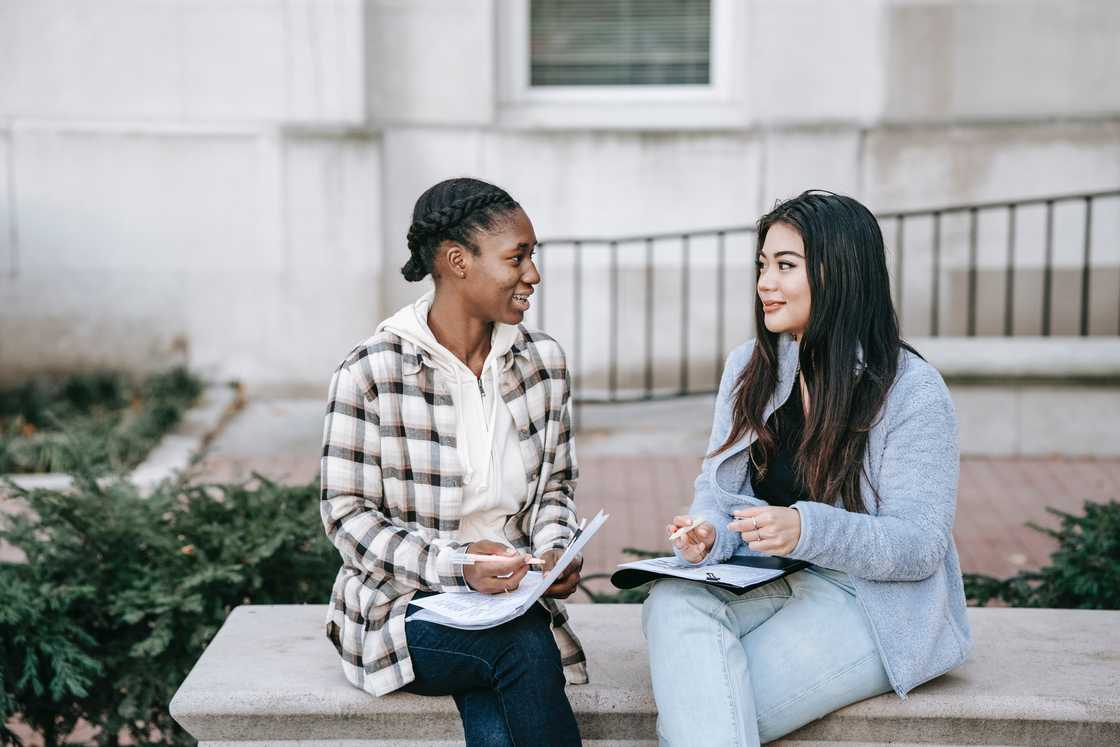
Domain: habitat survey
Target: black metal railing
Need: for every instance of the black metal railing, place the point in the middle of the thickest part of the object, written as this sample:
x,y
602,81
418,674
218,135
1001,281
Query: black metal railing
x,y
1012,210
658,335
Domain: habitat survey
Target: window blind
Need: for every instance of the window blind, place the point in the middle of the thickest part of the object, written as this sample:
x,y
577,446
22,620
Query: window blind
x,y
620,42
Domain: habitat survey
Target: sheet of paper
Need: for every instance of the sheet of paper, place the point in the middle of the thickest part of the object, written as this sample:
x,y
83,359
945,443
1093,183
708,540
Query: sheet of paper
x,y
725,573
473,610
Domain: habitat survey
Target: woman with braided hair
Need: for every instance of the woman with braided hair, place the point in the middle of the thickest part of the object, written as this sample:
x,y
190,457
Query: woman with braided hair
x,y
449,431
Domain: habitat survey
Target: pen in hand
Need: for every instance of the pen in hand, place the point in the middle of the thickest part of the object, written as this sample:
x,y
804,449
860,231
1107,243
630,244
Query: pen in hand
x,y
472,558
692,538
683,531
579,530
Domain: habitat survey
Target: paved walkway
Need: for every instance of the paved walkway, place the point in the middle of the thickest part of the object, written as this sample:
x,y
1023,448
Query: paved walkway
x,y
996,498
642,476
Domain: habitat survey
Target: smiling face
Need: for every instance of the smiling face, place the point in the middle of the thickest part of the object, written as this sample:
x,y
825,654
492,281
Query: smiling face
x,y
783,282
500,278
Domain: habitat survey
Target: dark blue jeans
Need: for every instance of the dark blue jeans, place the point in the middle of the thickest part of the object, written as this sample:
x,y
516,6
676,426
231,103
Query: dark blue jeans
x,y
507,681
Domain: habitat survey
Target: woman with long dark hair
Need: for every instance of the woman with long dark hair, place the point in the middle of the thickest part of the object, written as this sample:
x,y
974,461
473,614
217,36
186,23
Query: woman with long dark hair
x,y
833,442
448,432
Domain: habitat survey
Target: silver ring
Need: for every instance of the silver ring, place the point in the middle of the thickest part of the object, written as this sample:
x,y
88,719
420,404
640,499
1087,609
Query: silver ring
x,y
754,521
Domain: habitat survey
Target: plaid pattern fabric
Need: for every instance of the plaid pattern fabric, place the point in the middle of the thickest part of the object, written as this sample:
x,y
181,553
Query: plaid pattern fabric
x,y
392,489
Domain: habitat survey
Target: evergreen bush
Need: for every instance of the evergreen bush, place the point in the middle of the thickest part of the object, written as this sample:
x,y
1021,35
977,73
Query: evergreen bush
x,y
120,594
1083,573
117,420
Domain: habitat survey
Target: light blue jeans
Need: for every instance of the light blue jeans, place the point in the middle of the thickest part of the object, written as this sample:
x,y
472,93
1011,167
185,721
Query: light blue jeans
x,y
741,670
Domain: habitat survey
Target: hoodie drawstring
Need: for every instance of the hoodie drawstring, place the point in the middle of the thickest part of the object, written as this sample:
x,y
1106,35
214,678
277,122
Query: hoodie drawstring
x,y
465,443
494,446
492,424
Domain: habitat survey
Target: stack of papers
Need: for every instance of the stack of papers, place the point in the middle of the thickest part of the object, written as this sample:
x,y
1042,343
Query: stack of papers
x,y
472,610
739,576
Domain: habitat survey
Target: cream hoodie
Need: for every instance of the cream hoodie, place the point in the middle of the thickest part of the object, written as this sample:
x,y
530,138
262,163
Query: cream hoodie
x,y
494,485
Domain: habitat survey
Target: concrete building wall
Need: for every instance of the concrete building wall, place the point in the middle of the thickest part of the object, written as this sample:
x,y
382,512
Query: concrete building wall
x,y
251,251
234,178
430,62
1001,60
182,60
186,179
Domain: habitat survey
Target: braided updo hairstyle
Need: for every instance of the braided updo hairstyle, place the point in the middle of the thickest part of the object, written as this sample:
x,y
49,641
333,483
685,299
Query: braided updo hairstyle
x,y
453,210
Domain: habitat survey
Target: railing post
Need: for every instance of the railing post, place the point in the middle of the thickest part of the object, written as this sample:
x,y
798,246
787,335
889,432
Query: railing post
x,y
540,299
649,318
577,317
612,375
721,282
899,232
1085,260
935,301
972,259
1009,282
1048,269
684,313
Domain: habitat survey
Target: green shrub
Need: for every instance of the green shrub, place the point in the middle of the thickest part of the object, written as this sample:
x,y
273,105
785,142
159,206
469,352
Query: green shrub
x,y
1083,573
117,421
120,595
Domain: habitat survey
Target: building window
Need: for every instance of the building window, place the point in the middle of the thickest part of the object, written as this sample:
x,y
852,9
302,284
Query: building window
x,y
622,64
620,43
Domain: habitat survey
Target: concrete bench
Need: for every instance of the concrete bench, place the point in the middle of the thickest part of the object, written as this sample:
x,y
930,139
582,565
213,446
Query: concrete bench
x,y
1038,677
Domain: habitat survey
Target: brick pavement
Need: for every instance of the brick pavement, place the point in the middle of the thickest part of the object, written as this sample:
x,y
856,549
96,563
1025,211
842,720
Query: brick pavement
x,y
643,475
997,497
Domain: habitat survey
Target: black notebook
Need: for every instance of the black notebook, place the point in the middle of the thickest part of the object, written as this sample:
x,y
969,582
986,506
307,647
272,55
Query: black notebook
x,y
737,574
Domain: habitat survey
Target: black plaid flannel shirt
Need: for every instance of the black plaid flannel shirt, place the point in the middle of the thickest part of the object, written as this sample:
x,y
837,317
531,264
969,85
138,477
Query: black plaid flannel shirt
x,y
392,488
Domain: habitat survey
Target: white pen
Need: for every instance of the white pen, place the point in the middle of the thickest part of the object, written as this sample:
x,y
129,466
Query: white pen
x,y
683,531
470,558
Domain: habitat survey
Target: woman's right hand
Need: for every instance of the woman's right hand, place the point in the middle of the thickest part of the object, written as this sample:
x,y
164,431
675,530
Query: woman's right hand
x,y
495,576
696,542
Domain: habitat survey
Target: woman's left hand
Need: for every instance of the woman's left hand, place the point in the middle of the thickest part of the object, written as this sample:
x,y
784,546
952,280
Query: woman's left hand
x,y
565,585
774,530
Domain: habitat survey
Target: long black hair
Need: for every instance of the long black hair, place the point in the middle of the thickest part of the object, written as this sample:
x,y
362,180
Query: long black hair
x,y
848,353
453,210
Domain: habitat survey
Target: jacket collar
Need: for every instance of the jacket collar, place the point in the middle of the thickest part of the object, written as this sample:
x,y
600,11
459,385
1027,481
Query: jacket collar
x,y
789,351
413,356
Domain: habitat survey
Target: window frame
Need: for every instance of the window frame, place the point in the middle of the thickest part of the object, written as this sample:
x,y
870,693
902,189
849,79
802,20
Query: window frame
x,y
714,104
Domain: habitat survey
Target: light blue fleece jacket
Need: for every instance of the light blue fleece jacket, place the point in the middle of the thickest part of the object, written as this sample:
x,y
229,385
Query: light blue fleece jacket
x,y
900,554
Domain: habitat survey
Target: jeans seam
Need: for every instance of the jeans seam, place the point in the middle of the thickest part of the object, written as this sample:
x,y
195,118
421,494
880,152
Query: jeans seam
x,y
817,686
727,675
723,658
502,706
490,667
505,715
456,653
742,600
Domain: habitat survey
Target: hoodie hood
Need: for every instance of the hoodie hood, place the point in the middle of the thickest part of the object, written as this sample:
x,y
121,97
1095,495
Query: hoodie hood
x,y
478,438
411,323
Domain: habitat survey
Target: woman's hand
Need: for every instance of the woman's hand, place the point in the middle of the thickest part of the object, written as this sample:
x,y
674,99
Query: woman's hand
x,y
774,530
495,576
696,542
565,584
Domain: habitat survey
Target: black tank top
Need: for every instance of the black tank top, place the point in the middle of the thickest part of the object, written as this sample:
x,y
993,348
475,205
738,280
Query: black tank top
x,y
776,480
